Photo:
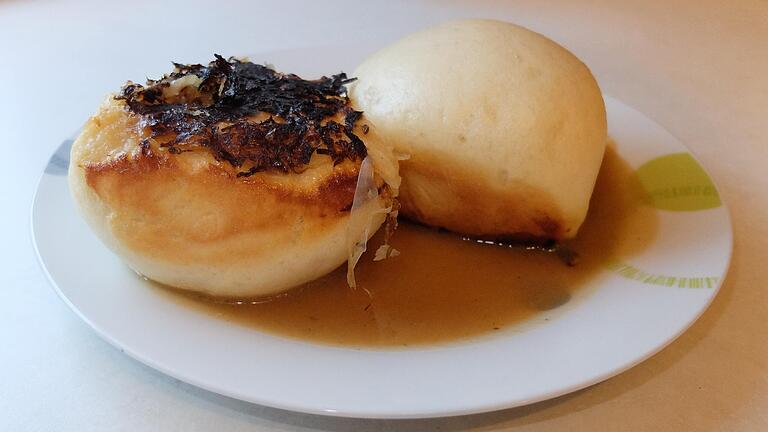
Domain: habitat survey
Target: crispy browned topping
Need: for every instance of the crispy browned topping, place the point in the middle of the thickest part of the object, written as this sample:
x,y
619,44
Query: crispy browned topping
x,y
217,111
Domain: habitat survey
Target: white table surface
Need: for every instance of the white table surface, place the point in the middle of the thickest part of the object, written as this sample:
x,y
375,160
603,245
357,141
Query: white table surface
x,y
700,68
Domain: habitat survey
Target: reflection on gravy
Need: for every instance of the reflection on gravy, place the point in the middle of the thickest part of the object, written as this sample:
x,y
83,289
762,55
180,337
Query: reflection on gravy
x,y
442,288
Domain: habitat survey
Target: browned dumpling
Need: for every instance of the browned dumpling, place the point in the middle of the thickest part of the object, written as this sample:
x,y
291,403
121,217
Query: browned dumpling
x,y
232,179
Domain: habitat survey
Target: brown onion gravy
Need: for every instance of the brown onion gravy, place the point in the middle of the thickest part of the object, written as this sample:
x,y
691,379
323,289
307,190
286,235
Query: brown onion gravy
x,y
442,288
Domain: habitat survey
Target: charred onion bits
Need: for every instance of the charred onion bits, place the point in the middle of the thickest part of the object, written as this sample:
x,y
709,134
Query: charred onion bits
x,y
214,111
232,179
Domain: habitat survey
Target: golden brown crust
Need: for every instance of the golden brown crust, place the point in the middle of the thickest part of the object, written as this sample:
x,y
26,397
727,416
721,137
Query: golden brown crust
x,y
331,194
172,206
442,193
155,211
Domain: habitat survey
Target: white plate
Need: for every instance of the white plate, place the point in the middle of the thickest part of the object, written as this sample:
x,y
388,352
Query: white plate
x,y
632,310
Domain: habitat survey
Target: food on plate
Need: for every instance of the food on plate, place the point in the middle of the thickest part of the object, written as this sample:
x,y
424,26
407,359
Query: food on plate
x,y
233,179
505,129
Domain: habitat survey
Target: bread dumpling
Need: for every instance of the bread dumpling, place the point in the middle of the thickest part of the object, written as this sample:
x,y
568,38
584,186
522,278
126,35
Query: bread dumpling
x,y
504,129
232,179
